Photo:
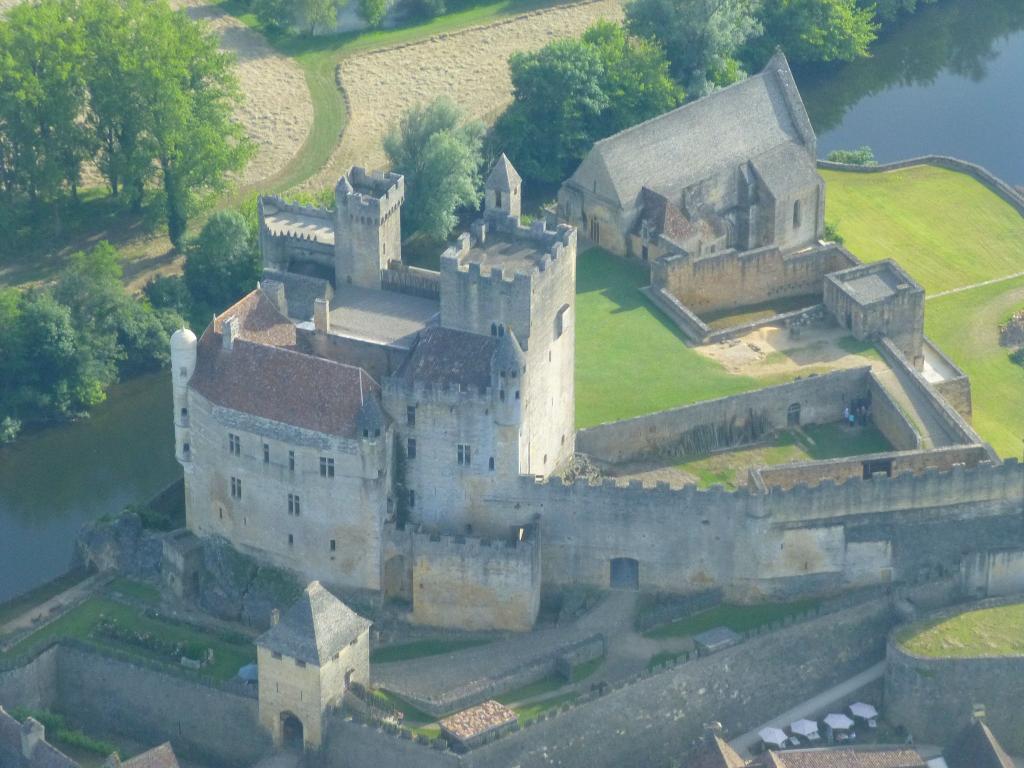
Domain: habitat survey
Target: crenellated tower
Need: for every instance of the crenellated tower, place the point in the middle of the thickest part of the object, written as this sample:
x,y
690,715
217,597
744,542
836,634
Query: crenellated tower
x,y
368,226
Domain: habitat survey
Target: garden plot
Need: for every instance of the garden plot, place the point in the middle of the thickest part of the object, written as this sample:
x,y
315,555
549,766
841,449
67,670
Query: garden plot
x,y
470,66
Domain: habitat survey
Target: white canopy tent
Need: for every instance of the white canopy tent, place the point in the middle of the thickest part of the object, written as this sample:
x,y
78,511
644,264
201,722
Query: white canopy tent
x,y
774,737
838,722
863,711
805,728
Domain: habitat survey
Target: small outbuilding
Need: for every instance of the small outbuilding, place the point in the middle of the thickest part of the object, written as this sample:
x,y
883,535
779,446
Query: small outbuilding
x,y
307,660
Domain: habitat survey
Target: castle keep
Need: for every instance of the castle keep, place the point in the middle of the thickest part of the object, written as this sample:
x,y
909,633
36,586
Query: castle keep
x,y
405,432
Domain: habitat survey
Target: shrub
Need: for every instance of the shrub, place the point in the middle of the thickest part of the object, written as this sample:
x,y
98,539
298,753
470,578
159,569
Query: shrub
x,y
1018,356
862,156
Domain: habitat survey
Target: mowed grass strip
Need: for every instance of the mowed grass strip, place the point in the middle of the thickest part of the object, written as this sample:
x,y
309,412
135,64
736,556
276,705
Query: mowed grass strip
x,y
965,326
989,632
739,618
630,358
946,229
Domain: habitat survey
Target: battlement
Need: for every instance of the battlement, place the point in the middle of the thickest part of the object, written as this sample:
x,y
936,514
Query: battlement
x,y
435,544
365,193
501,249
446,395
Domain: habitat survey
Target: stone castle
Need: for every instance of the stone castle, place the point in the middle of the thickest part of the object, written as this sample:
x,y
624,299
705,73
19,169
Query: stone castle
x,y
404,432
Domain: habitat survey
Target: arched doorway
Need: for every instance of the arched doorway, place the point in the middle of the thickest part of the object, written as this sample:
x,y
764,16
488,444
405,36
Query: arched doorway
x,y
625,573
793,415
291,731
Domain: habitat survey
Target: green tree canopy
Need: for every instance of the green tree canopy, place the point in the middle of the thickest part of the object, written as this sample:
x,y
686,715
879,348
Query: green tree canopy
x,y
440,156
223,262
814,30
573,92
701,37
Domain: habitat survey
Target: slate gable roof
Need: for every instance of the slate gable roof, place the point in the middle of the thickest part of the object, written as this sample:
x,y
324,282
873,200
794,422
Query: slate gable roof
x,y
976,747
315,628
158,757
45,755
446,357
746,121
265,376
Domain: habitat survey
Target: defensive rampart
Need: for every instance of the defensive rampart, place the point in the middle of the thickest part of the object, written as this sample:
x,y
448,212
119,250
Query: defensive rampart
x,y
934,697
726,422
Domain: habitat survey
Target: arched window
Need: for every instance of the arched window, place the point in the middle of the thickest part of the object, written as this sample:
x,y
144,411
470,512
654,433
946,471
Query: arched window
x,y
490,463
796,215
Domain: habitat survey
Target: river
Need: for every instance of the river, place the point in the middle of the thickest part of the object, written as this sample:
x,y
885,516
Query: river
x,y
946,80
55,479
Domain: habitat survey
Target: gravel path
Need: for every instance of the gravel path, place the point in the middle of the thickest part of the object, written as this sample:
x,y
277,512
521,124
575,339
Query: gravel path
x,y
470,66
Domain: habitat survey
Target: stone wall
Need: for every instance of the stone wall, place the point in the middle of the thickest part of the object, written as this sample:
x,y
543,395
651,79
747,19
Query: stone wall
x,y
731,280
30,683
726,422
890,420
148,706
993,574
471,583
934,697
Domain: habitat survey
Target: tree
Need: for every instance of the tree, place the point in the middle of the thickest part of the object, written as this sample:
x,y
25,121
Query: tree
x,y
889,10
701,37
189,90
317,13
862,156
440,157
223,262
814,30
574,92
557,100
42,97
373,11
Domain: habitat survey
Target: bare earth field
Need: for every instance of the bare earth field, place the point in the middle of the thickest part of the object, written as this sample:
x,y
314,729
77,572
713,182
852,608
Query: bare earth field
x,y
277,113
470,66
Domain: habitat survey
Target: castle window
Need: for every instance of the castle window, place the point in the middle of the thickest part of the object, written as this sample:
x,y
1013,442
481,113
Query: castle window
x,y
494,329
501,330
186,449
234,444
412,498
410,415
497,198
183,372
490,463
796,215
463,454
275,655
299,663
266,453
291,539
411,448
184,416
517,394
501,396
326,467
291,461
236,488
334,546
561,320
294,504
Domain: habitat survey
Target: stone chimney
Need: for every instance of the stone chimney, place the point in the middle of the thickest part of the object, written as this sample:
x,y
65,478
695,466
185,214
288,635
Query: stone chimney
x,y
274,290
32,732
275,617
479,230
322,315
229,332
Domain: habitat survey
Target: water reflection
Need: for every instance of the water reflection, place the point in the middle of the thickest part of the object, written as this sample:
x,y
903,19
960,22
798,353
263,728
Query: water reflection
x,y
54,480
945,80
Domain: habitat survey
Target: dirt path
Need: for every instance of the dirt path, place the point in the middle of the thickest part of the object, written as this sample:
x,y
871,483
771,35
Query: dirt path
x,y
470,66
52,609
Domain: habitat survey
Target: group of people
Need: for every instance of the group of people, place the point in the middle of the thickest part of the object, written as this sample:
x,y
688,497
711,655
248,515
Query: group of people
x,y
858,412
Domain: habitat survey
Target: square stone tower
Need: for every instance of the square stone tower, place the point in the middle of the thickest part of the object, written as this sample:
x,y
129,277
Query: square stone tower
x,y
368,226
307,660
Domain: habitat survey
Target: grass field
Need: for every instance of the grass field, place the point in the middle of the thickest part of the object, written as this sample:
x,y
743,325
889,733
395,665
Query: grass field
x,y
965,326
229,655
739,618
943,227
988,632
630,359
817,442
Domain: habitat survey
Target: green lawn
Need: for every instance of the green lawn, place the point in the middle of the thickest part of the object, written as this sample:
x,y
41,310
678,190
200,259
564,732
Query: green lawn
x,y
988,632
78,623
146,594
965,326
530,711
422,648
630,358
19,605
943,227
815,442
739,618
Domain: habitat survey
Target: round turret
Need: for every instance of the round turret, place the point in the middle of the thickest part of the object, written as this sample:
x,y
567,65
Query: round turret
x,y
183,353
